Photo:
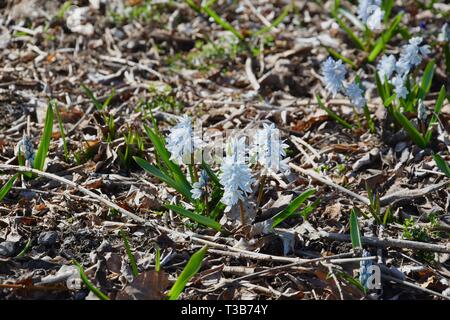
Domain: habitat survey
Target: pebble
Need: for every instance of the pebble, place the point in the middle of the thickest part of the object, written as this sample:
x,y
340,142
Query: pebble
x,y
48,238
8,249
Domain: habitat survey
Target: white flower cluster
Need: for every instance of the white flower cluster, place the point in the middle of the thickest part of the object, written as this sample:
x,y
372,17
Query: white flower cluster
x,y
236,176
25,146
268,150
334,75
182,141
410,56
370,13
445,33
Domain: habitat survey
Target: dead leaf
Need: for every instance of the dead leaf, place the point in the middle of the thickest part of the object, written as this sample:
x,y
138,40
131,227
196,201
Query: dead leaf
x,y
149,285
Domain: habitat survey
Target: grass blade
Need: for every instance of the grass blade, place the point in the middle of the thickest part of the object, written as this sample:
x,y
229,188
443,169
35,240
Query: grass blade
x,y
25,249
339,56
442,164
356,40
437,109
387,7
8,185
192,267
380,87
333,115
62,132
41,154
380,44
308,209
413,133
130,255
354,231
290,209
276,22
158,259
427,79
210,12
208,222
89,284
98,105
181,188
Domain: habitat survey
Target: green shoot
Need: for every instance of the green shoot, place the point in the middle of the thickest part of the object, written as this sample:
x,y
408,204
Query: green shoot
x,y
130,255
208,222
442,164
89,284
193,266
354,231
8,185
158,259
62,132
41,154
25,249
292,207
332,114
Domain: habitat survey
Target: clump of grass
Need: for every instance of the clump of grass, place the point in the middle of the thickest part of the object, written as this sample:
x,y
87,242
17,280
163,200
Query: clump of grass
x,y
102,109
133,146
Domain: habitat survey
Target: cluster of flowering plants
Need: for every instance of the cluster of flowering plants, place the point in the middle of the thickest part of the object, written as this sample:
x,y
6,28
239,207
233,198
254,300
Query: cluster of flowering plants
x,y
210,193
399,87
28,156
334,73
402,91
373,20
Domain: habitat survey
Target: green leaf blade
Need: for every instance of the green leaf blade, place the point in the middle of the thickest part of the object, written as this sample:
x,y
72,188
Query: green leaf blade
x,y
41,154
382,41
290,209
355,235
333,115
208,222
181,188
413,133
7,187
193,266
442,164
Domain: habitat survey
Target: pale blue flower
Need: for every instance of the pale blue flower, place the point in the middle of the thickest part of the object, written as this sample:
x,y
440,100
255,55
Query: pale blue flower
x,y
235,177
411,55
199,186
356,95
334,74
399,86
25,146
182,141
370,13
269,151
386,67
364,273
444,35
375,17
421,110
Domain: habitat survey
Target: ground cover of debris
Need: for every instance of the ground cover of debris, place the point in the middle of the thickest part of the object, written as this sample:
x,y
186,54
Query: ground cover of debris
x,y
91,218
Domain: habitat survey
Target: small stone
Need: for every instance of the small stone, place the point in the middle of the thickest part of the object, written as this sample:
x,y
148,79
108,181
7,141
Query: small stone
x,y
48,238
8,249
